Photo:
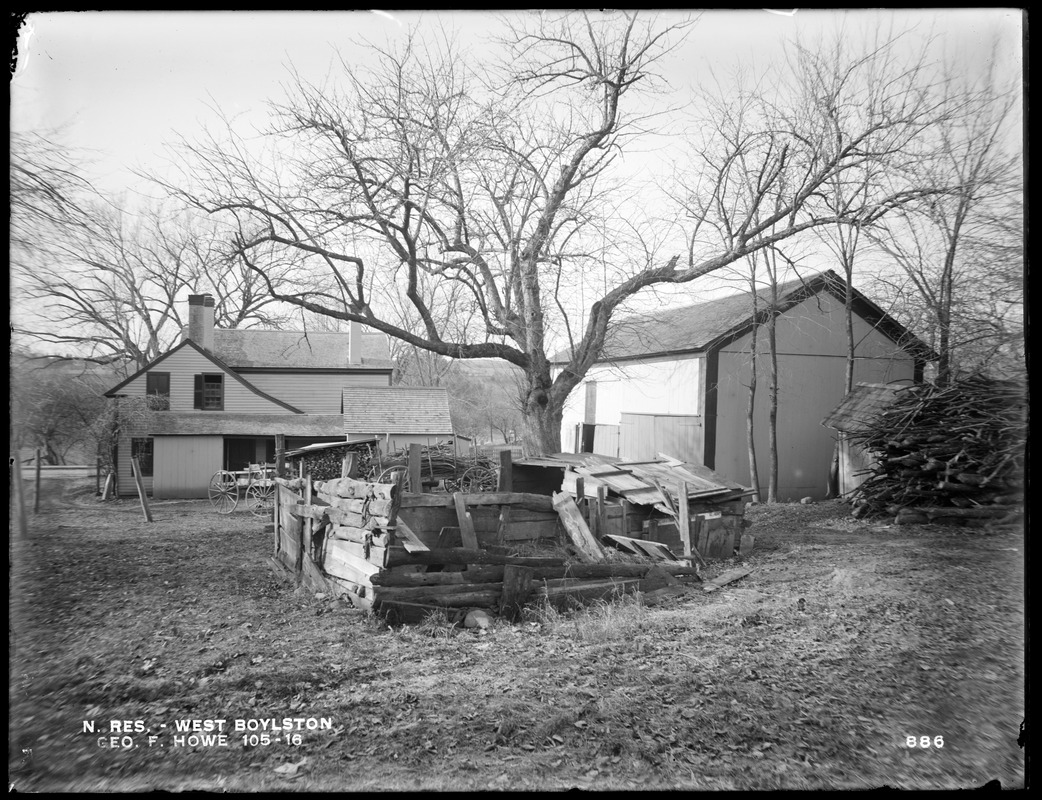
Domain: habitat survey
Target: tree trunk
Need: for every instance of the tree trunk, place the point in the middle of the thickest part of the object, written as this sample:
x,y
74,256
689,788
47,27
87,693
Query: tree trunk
x,y
541,415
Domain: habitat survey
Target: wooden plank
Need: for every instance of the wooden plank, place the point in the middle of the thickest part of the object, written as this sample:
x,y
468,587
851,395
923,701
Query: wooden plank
x,y
415,467
412,540
466,522
504,524
506,472
602,518
36,484
18,491
576,528
684,518
135,468
728,577
343,564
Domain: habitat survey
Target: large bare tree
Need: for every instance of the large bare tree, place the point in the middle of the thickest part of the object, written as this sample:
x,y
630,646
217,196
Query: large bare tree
x,y
414,167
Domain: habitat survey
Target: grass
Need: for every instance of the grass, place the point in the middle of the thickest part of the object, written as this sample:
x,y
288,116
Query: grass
x,y
742,689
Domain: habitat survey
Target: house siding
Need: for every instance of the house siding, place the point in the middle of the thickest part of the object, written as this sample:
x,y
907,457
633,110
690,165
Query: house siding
x,y
667,386
313,393
183,366
184,465
811,367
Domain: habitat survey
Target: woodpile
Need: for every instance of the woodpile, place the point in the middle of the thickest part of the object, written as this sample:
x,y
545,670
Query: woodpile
x,y
349,538
951,453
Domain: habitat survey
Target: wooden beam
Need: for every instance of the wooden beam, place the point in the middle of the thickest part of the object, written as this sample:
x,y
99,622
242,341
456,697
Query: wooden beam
x,y
517,586
575,525
684,519
526,500
506,471
415,468
411,538
466,522
397,557
722,580
136,469
280,455
36,493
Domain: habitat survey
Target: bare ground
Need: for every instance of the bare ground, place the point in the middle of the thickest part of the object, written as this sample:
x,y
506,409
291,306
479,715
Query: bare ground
x,y
813,672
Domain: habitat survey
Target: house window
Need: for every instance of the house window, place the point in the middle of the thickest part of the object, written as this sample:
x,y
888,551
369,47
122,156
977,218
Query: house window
x,y
141,449
157,388
209,392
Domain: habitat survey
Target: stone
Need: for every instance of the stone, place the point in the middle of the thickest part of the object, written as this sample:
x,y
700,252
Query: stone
x,y
477,619
807,501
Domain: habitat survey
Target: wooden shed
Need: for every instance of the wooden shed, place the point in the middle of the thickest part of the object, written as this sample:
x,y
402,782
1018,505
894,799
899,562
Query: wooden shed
x,y
856,412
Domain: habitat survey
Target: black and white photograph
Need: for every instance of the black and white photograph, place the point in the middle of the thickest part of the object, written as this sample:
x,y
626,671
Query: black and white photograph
x,y
521,400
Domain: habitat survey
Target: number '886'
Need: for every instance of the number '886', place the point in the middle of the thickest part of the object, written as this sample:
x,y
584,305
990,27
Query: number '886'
x,y
925,742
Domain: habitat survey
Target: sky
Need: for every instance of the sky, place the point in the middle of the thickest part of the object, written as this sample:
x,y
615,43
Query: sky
x,y
123,85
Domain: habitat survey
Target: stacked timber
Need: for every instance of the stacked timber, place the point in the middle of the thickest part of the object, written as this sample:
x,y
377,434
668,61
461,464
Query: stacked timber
x,y
350,538
949,453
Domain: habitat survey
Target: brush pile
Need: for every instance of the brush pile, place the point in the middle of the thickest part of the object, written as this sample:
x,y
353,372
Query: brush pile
x,y
440,465
946,453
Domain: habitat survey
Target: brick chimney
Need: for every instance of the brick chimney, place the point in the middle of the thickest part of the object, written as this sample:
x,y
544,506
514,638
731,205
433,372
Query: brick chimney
x,y
200,320
354,345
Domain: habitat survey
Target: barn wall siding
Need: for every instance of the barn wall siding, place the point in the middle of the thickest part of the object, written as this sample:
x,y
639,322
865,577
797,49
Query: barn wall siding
x,y
184,465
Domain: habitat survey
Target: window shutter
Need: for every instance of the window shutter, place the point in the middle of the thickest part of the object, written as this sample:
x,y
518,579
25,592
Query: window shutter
x,y
198,391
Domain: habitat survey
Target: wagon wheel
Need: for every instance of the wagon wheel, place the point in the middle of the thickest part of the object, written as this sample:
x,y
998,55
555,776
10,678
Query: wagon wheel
x,y
390,475
260,498
479,479
223,492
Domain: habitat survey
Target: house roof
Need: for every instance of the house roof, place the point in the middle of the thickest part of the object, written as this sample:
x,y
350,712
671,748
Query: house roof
x,y
396,409
216,362
861,406
220,423
702,326
258,349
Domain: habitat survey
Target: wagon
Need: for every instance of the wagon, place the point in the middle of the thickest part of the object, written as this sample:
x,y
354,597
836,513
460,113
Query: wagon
x,y
255,486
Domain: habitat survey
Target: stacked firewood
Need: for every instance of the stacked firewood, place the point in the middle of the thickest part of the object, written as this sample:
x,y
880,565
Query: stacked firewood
x,y
946,452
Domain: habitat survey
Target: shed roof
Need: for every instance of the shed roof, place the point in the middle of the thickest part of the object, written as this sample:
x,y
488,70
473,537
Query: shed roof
x,y
396,409
253,348
220,423
862,406
698,327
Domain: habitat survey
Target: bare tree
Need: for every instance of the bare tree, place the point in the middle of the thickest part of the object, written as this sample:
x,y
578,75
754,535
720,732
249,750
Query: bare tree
x,y
418,168
111,291
960,250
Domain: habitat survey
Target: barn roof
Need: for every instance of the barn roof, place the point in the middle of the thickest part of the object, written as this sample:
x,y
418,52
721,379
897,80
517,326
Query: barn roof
x,y
396,409
862,405
701,326
258,349
220,423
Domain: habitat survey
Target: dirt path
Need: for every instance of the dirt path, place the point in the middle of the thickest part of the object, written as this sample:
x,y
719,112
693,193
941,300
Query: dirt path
x,y
812,672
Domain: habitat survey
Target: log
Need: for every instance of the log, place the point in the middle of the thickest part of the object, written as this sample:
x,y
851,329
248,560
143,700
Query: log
x,y
399,556
136,469
516,588
463,596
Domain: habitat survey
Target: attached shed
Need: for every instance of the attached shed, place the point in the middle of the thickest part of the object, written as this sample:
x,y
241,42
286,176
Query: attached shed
x,y
185,449
397,415
857,411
